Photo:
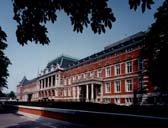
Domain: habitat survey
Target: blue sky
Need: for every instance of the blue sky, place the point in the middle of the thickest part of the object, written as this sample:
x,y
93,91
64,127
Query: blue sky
x,y
27,60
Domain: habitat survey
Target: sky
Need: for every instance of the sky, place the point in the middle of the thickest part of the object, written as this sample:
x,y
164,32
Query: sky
x,y
28,60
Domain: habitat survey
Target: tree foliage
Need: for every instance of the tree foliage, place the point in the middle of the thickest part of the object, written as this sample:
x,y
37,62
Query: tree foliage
x,y
156,49
32,15
11,94
4,61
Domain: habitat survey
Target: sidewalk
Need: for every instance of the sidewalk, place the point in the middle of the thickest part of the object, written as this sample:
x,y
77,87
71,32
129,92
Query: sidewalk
x,y
12,120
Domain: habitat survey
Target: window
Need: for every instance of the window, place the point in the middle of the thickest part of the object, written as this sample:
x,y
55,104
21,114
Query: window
x,y
40,84
99,72
128,101
128,66
79,76
53,93
140,64
85,75
43,82
117,69
107,100
56,93
117,86
65,82
92,73
69,91
108,71
49,78
53,80
117,100
69,80
107,87
140,82
74,78
65,92
129,85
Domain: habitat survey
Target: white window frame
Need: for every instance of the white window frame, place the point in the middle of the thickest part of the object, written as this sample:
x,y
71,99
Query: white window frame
x,y
79,76
56,93
65,81
117,86
108,87
128,101
99,72
69,91
108,71
92,73
69,80
129,85
107,100
85,75
65,92
117,69
129,66
117,100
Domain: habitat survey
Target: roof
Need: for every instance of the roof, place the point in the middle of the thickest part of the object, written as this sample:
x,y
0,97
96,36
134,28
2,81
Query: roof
x,y
25,81
125,40
63,61
112,48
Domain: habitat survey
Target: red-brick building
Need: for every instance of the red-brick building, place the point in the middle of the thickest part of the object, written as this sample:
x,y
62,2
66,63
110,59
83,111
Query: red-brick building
x,y
109,76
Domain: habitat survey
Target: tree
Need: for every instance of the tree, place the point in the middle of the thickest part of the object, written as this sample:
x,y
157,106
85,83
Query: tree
x,y
4,61
32,15
11,94
156,49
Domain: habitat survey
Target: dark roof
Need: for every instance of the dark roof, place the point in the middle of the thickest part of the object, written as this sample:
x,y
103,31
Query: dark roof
x,y
63,61
25,81
112,48
125,40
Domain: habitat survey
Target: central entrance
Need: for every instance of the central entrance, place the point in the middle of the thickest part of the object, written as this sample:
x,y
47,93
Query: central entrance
x,y
89,93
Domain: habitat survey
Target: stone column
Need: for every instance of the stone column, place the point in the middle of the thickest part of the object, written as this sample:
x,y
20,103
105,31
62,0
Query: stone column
x,y
92,92
87,93
101,93
51,81
48,82
78,92
45,83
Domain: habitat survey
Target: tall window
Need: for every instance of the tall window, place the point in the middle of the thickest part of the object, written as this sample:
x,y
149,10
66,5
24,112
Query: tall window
x,y
129,85
69,80
69,91
128,66
85,75
92,73
108,71
117,69
49,78
99,72
65,81
140,64
80,76
107,87
53,80
74,78
40,84
128,101
117,100
117,86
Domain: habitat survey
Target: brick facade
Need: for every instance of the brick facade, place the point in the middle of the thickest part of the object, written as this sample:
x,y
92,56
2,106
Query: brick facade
x,y
109,76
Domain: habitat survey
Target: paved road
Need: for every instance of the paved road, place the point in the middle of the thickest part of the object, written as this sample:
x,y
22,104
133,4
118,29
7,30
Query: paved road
x,y
12,120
